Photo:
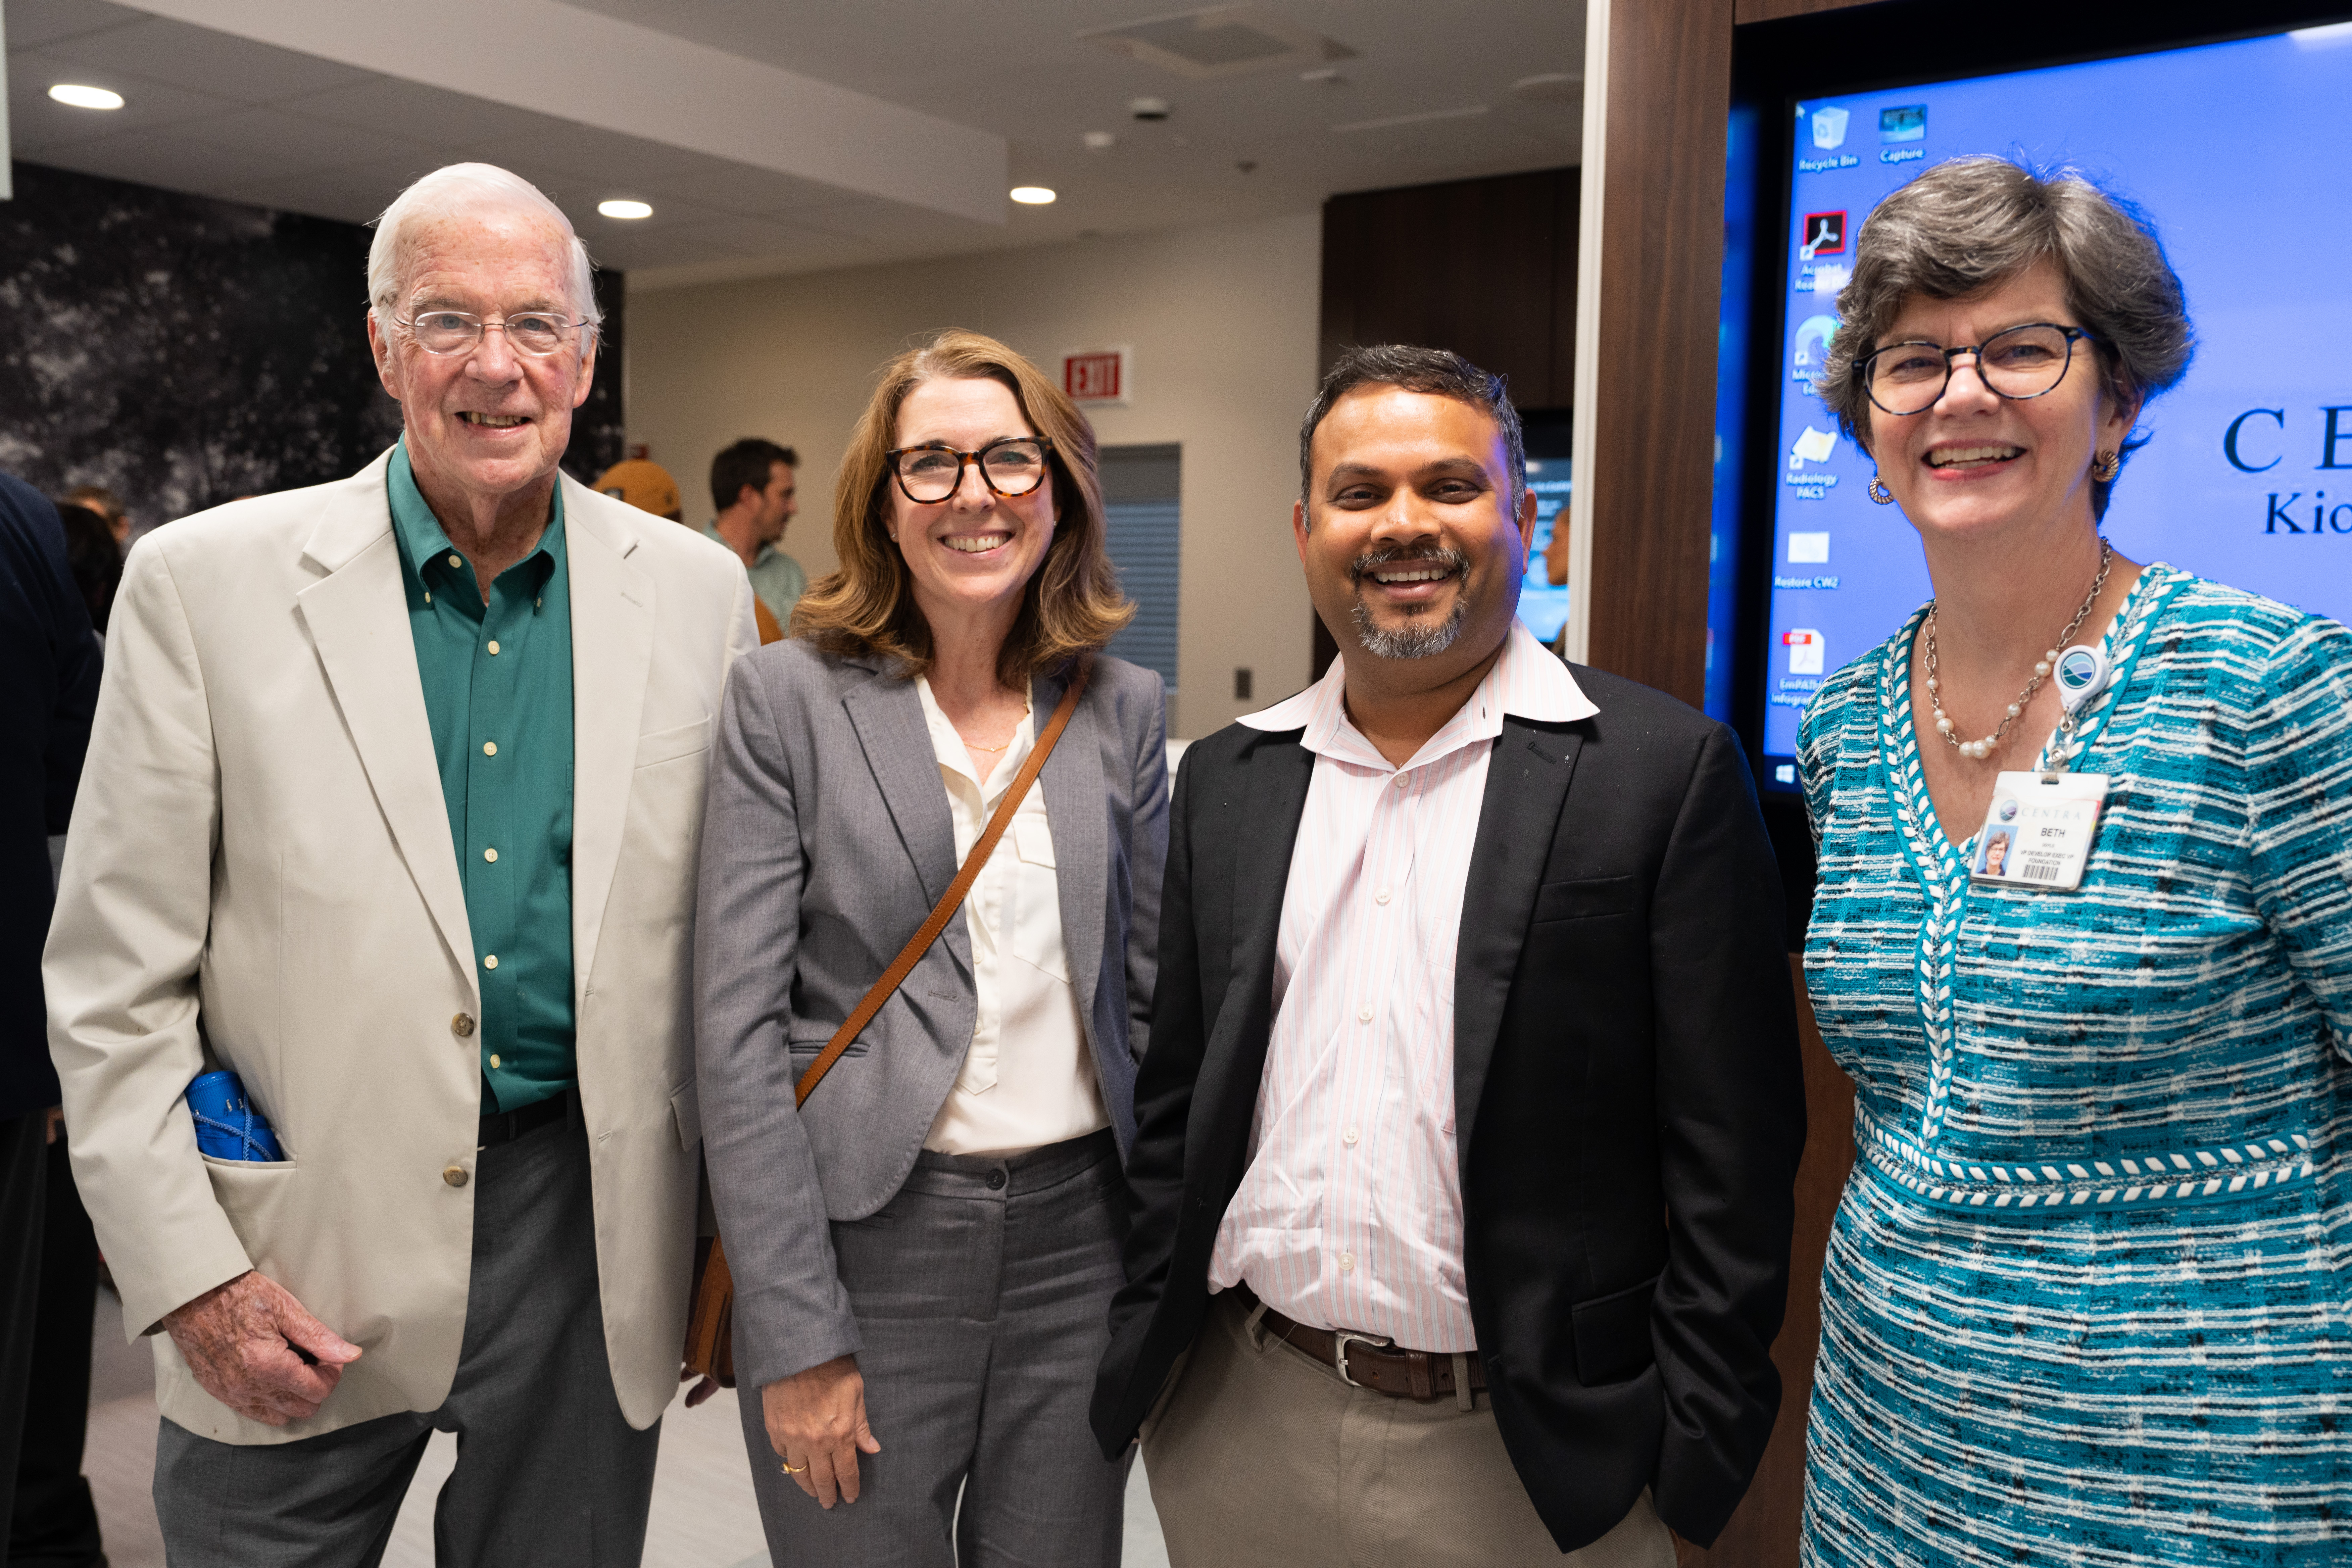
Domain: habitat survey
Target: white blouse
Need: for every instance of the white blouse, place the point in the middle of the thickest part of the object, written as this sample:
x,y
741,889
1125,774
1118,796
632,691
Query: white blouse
x,y
1028,1078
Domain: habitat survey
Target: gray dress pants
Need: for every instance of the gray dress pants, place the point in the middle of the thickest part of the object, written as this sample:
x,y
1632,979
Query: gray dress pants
x,y
549,1472
982,1295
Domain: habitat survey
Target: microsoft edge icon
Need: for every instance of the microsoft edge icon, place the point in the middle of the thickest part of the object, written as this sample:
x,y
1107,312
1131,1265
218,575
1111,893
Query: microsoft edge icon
x,y
1829,127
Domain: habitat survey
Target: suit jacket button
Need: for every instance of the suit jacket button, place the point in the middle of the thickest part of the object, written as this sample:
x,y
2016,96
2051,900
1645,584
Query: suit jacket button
x,y
454,1175
462,1025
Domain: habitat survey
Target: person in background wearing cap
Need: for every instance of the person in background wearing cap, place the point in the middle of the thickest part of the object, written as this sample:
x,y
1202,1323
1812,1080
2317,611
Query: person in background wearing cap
x,y
644,485
751,486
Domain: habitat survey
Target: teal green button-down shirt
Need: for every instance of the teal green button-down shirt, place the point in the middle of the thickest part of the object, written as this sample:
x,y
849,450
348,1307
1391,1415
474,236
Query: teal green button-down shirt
x,y
498,691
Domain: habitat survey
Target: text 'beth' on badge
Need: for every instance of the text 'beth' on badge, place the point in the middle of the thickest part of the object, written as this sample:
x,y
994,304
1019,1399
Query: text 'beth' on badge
x,y
2037,833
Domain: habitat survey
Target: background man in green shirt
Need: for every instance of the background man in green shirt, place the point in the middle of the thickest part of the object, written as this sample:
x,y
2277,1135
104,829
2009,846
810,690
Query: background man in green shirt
x,y
394,791
751,484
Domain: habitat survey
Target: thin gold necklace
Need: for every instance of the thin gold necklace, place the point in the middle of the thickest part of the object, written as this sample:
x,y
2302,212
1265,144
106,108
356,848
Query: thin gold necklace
x,y
992,750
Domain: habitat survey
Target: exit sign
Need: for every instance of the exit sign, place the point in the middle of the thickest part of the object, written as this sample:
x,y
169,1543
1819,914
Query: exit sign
x,y
1098,377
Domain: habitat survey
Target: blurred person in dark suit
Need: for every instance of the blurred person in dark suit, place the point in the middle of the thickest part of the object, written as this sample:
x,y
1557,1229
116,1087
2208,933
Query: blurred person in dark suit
x,y
48,686
94,554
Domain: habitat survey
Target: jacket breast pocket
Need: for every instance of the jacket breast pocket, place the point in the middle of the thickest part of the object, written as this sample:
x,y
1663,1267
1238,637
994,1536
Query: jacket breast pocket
x,y
668,745
1583,899
1612,1334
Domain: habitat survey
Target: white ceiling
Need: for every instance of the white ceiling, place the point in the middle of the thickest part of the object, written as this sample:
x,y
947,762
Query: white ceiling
x,y
224,115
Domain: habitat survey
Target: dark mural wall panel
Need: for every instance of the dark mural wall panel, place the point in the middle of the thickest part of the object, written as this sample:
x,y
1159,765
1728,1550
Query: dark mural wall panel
x,y
185,352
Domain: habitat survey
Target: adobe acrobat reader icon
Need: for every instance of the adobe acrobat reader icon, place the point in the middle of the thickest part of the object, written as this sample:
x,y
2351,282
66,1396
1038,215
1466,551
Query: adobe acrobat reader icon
x,y
1824,236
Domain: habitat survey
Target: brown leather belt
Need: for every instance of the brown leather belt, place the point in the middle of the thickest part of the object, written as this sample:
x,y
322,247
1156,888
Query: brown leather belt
x,y
1368,1361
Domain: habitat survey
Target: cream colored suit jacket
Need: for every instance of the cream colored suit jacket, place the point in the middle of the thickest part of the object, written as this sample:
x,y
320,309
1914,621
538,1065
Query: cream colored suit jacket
x,y
260,856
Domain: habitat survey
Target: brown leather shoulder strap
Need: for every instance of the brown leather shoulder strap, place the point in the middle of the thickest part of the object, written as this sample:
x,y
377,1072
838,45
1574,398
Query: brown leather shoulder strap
x,y
952,900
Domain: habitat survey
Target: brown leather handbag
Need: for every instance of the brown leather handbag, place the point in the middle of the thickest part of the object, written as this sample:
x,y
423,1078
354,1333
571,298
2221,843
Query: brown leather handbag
x,y
710,1317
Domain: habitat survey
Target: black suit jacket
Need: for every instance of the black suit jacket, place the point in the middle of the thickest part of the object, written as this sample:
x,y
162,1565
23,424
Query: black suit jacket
x,y
48,688
1629,1109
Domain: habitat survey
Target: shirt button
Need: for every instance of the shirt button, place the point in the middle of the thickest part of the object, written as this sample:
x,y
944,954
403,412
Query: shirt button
x,y
462,1025
1400,783
1348,1137
491,961
454,1175
455,561
428,595
489,748
1381,897
1347,1263
489,853
1364,1015
494,1060
494,646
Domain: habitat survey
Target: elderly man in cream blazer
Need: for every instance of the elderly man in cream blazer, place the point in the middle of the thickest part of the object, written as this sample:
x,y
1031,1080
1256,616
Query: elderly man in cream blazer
x,y
393,808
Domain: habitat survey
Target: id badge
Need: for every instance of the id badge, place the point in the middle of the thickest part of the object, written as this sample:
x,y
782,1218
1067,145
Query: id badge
x,y
2037,832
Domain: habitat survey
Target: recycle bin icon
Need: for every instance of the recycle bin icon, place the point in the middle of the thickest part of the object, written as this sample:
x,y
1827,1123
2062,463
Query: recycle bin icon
x,y
1829,127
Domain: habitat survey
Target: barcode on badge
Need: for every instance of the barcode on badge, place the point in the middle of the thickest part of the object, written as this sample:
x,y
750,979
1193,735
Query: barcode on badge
x,y
2039,871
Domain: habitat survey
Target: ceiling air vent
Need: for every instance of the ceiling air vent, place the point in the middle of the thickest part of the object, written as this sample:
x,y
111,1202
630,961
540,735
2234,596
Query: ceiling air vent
x,y
1222,41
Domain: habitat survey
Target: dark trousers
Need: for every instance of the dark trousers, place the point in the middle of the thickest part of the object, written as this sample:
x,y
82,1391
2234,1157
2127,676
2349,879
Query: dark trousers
x,y
56,1523
550,1474
23,1181
982,1295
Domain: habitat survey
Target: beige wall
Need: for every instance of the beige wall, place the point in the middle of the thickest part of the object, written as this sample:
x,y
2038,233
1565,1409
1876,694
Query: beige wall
x,y
1223,321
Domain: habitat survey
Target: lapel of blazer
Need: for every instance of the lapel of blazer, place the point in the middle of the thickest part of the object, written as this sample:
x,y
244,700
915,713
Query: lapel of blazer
x,y
611,655
1272,800
889,717
1074,786
358,619
1527,783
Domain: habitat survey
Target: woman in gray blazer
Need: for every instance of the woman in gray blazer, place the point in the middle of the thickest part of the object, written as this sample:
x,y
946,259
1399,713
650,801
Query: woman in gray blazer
x,y
924,1255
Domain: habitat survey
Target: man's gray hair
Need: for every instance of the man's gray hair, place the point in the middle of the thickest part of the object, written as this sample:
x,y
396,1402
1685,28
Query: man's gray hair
x,y
1970,224
1436,373
451,192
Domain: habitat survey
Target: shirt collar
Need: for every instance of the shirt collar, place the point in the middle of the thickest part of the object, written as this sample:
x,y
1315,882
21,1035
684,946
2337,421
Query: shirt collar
x,y
1527,681
425,546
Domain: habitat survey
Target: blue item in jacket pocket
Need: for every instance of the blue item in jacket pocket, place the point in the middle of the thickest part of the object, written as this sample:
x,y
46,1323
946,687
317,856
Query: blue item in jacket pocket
x,y
227,1125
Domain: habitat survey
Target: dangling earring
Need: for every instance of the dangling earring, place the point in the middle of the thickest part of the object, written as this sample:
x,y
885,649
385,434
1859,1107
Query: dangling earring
x,y
1879,493
2106,466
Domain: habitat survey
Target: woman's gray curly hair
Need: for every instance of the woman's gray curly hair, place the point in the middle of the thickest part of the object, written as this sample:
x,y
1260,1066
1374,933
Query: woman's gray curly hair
x,y
1970,224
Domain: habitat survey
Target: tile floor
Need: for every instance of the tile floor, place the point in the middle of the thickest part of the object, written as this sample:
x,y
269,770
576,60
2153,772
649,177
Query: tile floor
x,y
703,1516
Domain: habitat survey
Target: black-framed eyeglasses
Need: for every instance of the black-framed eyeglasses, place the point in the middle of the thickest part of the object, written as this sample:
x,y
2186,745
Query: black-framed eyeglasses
x,y
1010,466
2021,364
534,333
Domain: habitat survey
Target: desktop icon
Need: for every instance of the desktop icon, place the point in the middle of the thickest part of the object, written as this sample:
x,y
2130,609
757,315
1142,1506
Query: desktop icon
x,y
1824,236
1812,447
1829,127
1808,651
1809,549
1813,335
1907,124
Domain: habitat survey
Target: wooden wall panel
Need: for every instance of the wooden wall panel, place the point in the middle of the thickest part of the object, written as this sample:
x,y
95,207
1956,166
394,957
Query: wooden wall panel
x,y
1644,458
1486,267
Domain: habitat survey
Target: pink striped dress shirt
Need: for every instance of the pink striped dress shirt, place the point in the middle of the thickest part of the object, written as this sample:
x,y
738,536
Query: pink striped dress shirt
x,y
1349,1214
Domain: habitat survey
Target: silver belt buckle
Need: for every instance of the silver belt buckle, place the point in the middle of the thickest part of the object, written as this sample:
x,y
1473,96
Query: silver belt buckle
x,y
1342,1338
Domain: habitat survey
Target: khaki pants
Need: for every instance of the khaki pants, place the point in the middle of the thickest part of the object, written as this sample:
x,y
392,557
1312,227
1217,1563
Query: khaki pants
x,y
1262,1455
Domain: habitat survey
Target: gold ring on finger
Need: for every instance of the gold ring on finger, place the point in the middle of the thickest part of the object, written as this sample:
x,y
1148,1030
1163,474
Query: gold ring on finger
x,y
792,1469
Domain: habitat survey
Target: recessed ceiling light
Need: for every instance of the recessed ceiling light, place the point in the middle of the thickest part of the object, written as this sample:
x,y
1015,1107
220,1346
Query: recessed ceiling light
x,y
86,97
624,209
1032,196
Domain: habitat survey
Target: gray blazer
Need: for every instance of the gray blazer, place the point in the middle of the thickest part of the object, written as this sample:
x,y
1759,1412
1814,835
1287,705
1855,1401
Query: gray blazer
x,y
826,840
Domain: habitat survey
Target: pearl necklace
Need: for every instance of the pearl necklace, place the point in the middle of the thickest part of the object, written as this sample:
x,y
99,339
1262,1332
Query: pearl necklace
x,y
1982,749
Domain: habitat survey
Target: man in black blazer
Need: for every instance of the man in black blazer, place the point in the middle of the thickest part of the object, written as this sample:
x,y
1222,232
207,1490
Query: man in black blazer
x,y
1487,1267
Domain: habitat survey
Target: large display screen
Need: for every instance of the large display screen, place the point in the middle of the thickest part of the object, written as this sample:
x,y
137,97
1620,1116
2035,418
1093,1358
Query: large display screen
x,y
2236,153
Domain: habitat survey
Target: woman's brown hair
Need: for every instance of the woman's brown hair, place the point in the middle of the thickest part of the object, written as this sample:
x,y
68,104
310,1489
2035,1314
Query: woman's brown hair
x,y
1072,603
